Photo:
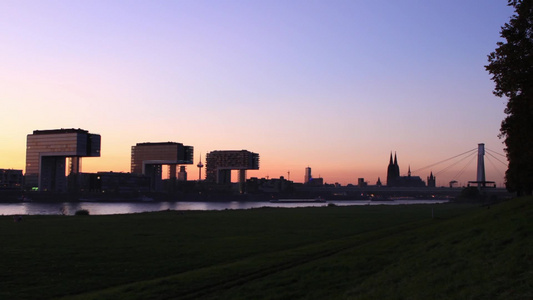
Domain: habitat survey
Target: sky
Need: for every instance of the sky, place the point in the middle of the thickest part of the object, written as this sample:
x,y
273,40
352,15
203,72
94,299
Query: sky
x,y
332,85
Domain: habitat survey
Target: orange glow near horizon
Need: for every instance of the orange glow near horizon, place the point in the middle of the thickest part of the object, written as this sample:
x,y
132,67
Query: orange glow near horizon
x,y
334,172
219,75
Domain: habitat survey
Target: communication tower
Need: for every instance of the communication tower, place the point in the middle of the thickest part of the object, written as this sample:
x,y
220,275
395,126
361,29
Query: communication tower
x,y
200,166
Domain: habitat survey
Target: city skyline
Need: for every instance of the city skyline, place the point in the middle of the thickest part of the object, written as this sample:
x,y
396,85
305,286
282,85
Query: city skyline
x,y
336,86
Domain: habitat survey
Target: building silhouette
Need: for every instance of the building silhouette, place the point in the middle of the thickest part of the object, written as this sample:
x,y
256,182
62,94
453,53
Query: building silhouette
x,y
148,159
182,174
269,186
11,179
220,163
432,180
361,182
307,177
393,171
46,153
109,184
310,180
395,180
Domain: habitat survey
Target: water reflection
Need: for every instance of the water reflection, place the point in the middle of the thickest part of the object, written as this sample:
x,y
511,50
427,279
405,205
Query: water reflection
x,y
109,208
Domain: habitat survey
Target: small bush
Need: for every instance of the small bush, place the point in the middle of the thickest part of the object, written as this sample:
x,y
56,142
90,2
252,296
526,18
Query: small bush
x,y
82,212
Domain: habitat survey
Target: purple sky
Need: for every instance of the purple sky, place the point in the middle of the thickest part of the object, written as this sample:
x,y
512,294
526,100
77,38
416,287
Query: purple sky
x,y
334,85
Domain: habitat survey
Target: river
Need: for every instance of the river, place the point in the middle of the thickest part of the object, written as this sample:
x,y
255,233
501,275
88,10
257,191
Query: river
x,y
110,208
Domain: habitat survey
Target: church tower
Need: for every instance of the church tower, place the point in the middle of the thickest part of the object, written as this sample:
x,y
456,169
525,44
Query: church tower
x,y
393,171
431,180
390,171
396,167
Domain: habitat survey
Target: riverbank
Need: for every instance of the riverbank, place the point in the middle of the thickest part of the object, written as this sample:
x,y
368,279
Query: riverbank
x,y
24,196
111,208
445,251
225,195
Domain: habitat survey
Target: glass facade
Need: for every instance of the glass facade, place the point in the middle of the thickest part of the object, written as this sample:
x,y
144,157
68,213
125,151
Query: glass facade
x,y
159,153
220,163
46,151
148,159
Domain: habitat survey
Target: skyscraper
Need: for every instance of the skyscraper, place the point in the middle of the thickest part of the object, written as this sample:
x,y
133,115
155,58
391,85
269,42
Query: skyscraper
x,y
219,164
46,151
148,159
307,176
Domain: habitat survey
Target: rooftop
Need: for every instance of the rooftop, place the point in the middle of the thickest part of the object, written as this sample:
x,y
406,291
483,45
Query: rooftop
x,y
58,131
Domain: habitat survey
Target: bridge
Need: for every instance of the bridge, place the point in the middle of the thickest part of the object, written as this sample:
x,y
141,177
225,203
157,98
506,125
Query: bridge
x,y
463,160
467,158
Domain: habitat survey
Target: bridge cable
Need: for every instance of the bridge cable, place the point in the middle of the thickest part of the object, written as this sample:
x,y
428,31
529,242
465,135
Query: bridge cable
x,y
445,160
448,167
464,168
495,152
497,159
495,168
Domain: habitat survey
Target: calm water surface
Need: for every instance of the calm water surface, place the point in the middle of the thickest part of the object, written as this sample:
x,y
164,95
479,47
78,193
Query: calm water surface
x,y
110,208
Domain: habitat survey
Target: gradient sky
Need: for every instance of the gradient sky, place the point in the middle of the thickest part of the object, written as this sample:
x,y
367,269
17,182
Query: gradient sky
x,y
334,85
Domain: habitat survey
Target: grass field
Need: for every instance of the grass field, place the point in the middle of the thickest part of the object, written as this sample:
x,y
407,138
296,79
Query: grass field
x,y
359,252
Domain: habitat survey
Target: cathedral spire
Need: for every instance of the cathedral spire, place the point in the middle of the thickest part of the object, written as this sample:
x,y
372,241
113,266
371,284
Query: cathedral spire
x,y
393,171
396,167
431,180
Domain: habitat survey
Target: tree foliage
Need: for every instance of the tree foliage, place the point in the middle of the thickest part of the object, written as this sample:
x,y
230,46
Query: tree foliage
x,y
511,67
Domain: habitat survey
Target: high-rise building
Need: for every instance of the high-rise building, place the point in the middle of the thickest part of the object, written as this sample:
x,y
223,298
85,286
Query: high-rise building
x,y
307,176
148,159
46,151
220,163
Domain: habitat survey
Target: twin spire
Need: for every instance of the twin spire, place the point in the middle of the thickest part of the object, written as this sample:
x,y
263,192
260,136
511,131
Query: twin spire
x,y
393,171
394,178
395,159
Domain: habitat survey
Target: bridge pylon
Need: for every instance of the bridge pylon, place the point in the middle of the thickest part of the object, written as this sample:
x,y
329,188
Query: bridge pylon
x,y
480,181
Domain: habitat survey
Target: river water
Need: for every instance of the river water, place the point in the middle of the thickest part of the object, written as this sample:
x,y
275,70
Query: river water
x,y
110,208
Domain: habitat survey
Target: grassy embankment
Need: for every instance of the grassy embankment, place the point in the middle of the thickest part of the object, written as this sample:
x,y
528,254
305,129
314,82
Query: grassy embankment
x,y
372,252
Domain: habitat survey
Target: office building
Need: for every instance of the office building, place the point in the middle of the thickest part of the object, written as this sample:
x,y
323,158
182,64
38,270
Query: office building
x,y
307,177
220,163
46,153
11,179
149,158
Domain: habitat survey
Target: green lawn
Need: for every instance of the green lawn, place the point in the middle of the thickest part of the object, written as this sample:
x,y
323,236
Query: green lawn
x,y
359,252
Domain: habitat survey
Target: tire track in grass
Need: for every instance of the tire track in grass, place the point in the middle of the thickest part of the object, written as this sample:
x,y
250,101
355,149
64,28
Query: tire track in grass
x,y
205,281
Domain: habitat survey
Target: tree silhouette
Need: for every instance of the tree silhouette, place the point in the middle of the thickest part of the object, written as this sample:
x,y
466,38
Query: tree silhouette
x,y
511,67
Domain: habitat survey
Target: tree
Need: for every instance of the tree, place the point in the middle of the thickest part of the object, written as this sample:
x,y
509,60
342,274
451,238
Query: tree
x,y
511,67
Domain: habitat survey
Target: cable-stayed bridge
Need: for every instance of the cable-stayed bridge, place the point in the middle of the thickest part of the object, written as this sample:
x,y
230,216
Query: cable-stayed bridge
x,y
459,166
464,161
